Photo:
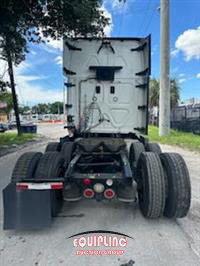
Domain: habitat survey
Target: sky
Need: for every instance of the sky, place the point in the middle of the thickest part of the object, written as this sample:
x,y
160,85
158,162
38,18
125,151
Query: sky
x,y
40,79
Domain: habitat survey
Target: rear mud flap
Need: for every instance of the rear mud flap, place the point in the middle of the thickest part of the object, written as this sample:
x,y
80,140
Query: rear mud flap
x,y
26,209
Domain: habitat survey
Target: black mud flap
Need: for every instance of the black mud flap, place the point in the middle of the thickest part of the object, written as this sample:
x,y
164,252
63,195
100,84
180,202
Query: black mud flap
x,y
26,209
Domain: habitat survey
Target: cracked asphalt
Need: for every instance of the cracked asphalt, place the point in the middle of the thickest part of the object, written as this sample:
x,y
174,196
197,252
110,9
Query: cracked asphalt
x,y
155,242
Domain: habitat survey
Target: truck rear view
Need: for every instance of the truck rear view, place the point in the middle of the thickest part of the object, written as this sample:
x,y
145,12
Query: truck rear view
x,y
106,154
107,84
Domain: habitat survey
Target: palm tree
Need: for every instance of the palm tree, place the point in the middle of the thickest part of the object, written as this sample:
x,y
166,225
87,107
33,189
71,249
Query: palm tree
x,y
175,92
154,93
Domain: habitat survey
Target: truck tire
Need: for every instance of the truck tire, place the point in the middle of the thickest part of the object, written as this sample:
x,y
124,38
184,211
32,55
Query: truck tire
x,y
151,185
25,166
153,147
179,188
136,149
53,146
64,139
50,166
67,151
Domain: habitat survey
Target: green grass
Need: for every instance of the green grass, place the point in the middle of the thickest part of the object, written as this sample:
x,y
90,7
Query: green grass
x,y
182,139
13,138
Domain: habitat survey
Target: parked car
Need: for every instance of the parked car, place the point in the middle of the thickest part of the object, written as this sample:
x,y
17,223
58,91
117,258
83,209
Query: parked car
x,y
3,128
12,125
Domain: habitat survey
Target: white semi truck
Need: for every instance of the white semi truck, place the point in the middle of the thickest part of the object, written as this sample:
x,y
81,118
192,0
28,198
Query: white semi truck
x,y
106,155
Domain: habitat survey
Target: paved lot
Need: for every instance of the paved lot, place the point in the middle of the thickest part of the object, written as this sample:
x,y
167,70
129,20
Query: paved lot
x,y
156,242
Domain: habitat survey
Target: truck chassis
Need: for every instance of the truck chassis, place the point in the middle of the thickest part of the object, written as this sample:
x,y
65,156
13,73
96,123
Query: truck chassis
x,y
98,168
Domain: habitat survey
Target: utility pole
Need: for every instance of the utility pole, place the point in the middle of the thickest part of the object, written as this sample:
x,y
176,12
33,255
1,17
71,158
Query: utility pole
x,y
164,102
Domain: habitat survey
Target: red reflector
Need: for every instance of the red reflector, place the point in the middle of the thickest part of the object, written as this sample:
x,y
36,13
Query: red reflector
x,y
86,181
39,186
88,193
109,193
57,186
21,186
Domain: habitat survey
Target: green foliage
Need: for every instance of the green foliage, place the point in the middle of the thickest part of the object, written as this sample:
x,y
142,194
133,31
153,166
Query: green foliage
x,y
12,138
56,107
175,92
7,98
154,93
182,139
23,21
43,108
24,109
3,86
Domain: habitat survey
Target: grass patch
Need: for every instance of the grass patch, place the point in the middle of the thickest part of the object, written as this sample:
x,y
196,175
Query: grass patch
x,y
13,138
182,139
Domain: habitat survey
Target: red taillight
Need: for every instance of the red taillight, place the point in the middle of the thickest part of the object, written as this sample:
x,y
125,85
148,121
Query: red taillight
x,y
88,193
58,185
86,181
21,186
109,193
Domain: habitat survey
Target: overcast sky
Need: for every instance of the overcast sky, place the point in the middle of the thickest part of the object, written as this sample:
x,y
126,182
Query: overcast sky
x,y
40,79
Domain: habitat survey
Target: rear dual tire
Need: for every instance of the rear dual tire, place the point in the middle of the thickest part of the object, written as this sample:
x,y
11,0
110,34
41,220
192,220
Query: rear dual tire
x,y
153,147
151,185
50,166
35,165
26,165
136,149
53,146
67,152
163,185
178,185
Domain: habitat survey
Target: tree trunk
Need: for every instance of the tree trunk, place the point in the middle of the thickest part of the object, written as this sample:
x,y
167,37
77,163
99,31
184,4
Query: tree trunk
x,y
14,96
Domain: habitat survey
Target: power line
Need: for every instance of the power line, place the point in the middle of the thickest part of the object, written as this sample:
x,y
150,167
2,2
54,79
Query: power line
x,y
144,18
122,18
151,18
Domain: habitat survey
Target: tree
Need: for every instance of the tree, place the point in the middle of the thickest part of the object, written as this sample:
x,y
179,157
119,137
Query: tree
x,y
6,97
41,108
56,108
50,108
24,109
154,93
175,92
3,86
23,21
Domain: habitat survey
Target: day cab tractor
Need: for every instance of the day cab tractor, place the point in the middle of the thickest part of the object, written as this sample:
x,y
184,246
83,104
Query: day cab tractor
x,y
106,154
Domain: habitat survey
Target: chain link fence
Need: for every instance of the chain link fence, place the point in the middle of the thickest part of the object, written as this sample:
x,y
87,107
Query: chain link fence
x,y
186,118
183,118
